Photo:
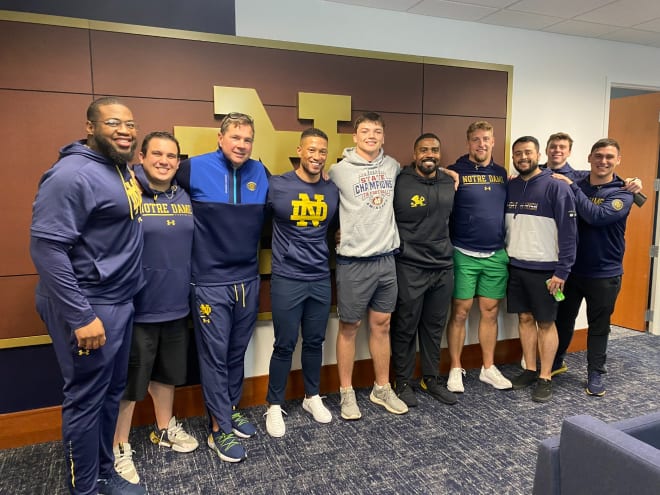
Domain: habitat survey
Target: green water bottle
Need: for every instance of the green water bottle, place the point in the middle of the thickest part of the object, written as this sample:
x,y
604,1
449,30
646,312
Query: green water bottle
x,y
559,295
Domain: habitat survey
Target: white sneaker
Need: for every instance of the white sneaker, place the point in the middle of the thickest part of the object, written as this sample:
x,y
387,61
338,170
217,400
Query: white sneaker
x,y
124,462
275,422
314,405
492,376
455,380
173,437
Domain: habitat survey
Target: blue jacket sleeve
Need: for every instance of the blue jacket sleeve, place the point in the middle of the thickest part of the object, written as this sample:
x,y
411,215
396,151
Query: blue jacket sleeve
x,y
57,276
566,220
616,206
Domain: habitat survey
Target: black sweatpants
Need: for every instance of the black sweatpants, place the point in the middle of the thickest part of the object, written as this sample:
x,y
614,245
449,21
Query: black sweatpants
x,y
422,306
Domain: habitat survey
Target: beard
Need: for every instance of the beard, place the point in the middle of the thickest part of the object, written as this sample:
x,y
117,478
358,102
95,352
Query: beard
x,y
527,172
106,148
427,166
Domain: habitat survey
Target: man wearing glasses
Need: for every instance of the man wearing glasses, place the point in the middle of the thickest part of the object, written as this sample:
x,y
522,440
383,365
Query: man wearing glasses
x,y
228,193
86,243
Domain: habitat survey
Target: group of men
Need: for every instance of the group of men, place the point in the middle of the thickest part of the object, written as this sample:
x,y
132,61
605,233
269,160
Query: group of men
x,y
125,253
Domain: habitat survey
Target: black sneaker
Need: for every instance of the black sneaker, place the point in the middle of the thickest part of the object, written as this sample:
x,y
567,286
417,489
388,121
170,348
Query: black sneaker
x,y
524,379
543,390
406,393
431,386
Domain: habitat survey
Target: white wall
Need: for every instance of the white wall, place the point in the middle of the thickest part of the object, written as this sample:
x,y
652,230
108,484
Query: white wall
x,y
559,82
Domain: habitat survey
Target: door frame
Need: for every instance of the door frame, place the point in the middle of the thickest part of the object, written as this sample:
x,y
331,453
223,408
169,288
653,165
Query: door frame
x,y
653,325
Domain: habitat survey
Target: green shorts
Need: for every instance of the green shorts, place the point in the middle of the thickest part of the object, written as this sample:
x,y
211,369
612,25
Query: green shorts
x,y
485,277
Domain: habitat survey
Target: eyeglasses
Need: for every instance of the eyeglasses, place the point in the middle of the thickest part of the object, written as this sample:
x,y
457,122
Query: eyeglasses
x,y
116,123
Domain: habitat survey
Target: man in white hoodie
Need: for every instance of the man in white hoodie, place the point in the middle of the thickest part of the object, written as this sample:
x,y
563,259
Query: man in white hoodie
x,y
366,272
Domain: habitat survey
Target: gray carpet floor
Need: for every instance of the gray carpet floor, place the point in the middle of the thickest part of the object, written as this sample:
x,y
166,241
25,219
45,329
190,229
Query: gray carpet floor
x,y
484,444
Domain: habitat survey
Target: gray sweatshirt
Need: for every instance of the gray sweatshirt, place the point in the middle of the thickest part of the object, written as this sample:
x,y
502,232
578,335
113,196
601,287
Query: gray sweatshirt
x,y
366,214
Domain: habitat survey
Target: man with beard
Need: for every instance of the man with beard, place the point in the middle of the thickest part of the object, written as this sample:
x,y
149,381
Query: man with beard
x,y
86,243
480,261
303,205
423,199
541,237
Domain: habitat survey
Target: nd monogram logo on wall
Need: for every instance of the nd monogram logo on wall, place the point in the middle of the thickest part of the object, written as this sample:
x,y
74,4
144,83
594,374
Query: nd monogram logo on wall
x,y
273,147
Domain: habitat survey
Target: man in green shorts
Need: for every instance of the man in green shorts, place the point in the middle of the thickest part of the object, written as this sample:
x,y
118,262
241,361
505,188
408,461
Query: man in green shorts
x,y
480,261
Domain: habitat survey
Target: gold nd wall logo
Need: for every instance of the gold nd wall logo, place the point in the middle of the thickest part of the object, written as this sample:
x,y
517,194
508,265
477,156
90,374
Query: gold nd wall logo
x,y
273,147
276,149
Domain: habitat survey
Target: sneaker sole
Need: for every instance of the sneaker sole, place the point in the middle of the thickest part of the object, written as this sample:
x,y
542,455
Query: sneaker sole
x,y
493,384
184,450
240,434
318,420
381,402
277,434
352,417
174,446
439,398
223,457
134,480
589,392
541,399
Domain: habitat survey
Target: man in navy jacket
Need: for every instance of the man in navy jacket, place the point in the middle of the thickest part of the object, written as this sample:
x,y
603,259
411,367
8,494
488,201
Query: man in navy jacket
x,y
540,241
603,207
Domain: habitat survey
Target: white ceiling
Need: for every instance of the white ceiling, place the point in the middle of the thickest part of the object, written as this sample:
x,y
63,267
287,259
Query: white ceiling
x,y
629,21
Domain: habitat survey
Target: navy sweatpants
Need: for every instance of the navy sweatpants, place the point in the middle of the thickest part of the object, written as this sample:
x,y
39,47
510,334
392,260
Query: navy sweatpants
x,y
224,317
94,382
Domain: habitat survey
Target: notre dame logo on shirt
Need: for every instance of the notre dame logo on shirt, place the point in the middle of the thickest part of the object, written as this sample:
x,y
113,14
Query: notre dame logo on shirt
x,y
305,211
417,201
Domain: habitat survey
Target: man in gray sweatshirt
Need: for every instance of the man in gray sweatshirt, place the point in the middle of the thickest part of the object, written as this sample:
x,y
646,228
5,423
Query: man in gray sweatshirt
x,y
366,272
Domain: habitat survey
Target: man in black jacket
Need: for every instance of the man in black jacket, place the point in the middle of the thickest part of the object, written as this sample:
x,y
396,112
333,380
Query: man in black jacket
x,y
423,201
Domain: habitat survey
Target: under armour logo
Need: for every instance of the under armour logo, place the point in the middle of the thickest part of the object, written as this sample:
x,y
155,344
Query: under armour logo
x,y
171,222
83,352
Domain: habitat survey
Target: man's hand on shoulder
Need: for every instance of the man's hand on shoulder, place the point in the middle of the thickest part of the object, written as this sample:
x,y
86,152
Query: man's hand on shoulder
x,y
563,178
453,175
92,335
634,184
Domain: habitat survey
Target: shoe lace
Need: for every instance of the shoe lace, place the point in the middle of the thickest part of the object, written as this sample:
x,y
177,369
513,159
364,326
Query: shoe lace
x,y
272,411
316,402
239,419
348,399
228,440
175,431
125,459
496,372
